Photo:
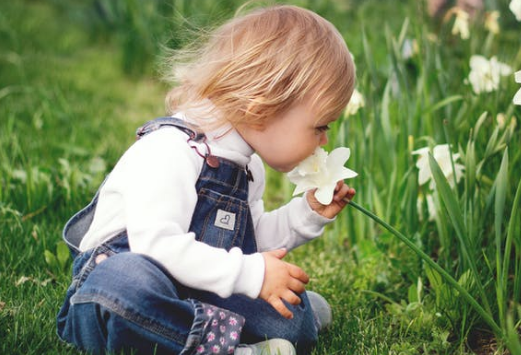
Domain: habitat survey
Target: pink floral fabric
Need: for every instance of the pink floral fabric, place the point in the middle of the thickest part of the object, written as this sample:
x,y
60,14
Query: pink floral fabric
x,y
222,331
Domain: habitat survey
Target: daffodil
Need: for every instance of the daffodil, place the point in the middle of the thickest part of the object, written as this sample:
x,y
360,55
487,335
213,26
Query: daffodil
x,y
491,23
515,7
517,96
441,154
356,103
461,23
409,48
485,74
322,172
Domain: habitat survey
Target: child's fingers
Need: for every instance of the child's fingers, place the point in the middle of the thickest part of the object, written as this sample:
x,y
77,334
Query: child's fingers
x,y
278,253
297,273
339,185
343,192
291,298
296,286
280,307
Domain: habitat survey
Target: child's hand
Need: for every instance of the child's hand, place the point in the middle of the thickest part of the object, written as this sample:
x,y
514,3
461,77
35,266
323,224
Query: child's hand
x,y
342,192
282,281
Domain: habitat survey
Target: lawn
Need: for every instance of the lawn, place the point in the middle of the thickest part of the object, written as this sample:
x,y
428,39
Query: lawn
x,y
438,273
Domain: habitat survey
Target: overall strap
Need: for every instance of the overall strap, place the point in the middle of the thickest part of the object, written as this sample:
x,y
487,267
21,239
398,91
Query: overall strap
x,y
78,225
161,122
190,130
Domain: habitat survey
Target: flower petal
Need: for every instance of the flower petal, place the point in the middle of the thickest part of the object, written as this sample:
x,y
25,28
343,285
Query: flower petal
x,y
338,157
343,173
517,76
324,194
515,7
421,151
424,175
517,98
304,186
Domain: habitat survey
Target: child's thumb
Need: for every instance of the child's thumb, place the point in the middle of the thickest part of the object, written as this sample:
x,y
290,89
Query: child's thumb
x,y
278,253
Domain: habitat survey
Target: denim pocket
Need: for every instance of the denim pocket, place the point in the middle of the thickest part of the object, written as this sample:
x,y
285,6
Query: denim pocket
x,y
219,220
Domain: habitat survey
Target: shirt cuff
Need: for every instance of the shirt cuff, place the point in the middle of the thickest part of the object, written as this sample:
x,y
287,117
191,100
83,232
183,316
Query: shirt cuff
x,y
251,277
309,218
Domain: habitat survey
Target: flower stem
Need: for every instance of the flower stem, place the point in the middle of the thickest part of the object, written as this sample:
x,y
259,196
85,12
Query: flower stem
x,y
450,280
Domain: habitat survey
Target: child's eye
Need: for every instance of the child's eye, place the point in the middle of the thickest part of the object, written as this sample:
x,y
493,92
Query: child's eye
x,y
322,129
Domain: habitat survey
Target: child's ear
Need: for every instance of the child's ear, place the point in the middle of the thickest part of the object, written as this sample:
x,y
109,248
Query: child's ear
x,y
253,114
258,126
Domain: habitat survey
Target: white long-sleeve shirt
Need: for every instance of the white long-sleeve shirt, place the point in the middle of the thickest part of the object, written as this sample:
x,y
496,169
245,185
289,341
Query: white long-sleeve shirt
x,y
151,194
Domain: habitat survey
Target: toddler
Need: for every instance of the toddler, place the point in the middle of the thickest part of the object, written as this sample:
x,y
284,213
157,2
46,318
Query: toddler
x,y
176,254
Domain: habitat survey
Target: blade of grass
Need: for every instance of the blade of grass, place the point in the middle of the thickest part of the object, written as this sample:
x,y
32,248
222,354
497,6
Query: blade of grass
x,y
499,209
456,216
508,244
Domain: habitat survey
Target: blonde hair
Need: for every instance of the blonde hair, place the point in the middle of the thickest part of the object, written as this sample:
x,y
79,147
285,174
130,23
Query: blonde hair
x,y
258,65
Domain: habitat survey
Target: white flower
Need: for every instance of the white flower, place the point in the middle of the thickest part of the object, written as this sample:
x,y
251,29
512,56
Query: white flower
x,y
517,96
321,171
409,48
441,154
357,102
491,23
461,24
484,74
515,7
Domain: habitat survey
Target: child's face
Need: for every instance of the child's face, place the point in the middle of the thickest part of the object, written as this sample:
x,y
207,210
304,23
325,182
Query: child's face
x,y
287,139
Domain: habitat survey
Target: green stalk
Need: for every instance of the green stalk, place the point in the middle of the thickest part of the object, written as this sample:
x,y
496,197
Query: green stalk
x,y
450,280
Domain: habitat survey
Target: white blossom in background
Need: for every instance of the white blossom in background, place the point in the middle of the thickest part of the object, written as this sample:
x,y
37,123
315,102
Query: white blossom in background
x,y
517,96
501,120
409,48
441,154
461,23
356,103
322,172
515,7
485,74
491,22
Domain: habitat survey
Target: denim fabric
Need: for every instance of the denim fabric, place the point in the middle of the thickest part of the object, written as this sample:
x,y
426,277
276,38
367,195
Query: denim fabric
x,y
121,301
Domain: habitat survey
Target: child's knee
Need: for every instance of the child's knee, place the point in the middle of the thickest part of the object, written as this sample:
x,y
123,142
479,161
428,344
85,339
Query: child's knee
x,y
126,277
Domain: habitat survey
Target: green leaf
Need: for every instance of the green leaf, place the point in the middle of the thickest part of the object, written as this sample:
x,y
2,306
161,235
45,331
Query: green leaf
x,y
492,143
513,339
499,210
412,294
513,239
434,277
448,197
444,103
62,253
50,259
470,169
453,208
478,124
499,206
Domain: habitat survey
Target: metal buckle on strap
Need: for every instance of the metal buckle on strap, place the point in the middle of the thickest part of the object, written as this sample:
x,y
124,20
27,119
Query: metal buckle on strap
x,y
210,159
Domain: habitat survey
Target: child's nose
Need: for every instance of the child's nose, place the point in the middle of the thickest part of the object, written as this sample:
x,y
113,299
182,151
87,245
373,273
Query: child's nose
x,y
323,139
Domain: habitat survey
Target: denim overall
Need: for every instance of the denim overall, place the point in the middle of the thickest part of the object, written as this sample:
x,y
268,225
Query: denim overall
x,y
120,301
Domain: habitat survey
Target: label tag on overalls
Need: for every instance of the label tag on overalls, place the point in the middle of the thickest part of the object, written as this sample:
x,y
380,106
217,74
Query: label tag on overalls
x,y
225,220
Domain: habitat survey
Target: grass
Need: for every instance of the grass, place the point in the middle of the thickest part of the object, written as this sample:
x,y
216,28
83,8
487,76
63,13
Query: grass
x,y
74,87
